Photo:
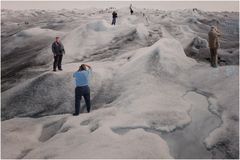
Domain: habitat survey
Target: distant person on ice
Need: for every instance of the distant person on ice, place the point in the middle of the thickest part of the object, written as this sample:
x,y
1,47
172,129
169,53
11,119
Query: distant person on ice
x,y
82,87
58,51
131,11
213,42
114,17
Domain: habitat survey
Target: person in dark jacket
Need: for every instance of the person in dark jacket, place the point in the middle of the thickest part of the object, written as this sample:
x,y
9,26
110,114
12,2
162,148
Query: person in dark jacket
x,y
82,87
131,10
114,16
58,51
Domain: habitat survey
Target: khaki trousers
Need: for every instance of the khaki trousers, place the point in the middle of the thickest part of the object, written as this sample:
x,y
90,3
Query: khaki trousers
x,y
214,56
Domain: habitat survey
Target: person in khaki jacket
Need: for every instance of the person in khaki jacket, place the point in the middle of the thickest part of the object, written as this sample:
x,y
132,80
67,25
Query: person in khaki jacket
x,y
213,42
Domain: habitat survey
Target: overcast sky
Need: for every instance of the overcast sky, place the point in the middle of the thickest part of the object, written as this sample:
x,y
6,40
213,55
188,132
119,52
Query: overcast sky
x,y
163,5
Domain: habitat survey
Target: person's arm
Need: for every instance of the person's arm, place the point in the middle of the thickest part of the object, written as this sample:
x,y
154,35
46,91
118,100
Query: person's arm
x,y
63,48
88,66
89,70
53,49
217,32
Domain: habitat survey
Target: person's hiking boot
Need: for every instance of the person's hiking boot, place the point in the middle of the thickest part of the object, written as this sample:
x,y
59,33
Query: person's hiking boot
x,y
60,69
214,66
75,114
54,70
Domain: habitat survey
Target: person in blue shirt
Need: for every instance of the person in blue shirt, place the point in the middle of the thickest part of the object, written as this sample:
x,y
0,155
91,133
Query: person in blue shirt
x,y
82,87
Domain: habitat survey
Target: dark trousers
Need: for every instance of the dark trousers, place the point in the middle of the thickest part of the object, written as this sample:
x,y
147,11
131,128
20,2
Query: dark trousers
x,y
114,21
214,56
57,62
79,92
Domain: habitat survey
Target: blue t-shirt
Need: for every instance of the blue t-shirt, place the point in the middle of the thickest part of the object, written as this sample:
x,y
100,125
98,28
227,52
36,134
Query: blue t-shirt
x,y
82,78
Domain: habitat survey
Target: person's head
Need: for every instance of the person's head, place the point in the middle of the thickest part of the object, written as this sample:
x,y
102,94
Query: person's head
x,y
57,39
82,68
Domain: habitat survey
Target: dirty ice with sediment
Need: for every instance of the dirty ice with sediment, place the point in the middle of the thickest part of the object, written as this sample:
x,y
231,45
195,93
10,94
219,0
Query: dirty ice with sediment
x,y
153,92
